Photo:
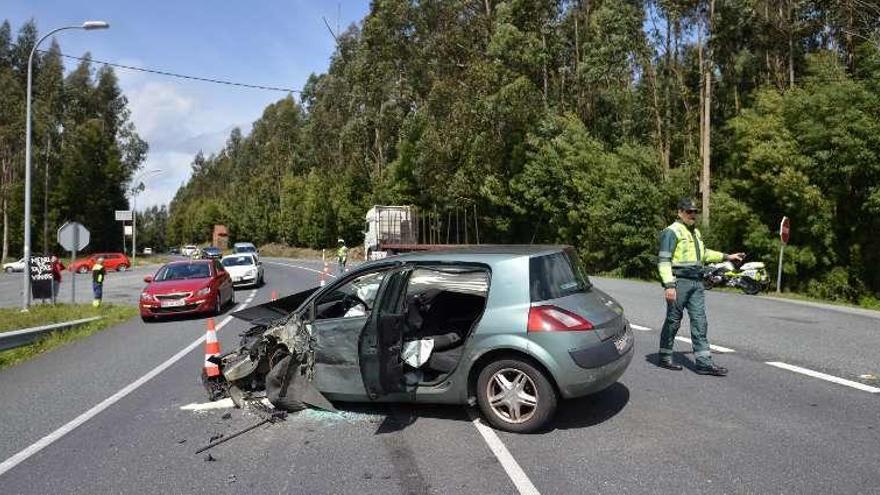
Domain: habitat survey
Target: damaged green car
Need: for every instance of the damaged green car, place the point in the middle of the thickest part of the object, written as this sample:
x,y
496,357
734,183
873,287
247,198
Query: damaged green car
x,y
513,329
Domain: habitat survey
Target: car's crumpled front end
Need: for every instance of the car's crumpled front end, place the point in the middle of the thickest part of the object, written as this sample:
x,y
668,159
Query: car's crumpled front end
x,y
276,360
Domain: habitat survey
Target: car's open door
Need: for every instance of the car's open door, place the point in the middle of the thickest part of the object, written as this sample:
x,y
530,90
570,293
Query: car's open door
x,y
382,338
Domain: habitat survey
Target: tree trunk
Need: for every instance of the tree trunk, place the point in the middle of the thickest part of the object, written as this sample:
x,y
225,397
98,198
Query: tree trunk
x,y
706,183
544,64
5,230
790,46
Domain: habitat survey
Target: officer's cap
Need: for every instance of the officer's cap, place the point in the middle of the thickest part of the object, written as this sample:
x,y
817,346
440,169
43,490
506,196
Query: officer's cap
x,y
687,204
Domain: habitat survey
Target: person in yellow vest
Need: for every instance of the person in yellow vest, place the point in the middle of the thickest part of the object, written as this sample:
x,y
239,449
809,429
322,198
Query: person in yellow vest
x,y
341,254
681,259
98,274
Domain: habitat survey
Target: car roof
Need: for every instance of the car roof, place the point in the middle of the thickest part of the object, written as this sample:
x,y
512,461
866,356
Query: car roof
x,y
484,253
239,255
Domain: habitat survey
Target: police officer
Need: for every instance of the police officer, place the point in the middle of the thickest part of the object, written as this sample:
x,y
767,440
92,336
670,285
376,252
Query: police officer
x,y
98,274
681,270
341,254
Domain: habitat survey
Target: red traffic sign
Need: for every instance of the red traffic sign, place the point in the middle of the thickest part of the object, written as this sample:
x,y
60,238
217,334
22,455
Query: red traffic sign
x,y
784,228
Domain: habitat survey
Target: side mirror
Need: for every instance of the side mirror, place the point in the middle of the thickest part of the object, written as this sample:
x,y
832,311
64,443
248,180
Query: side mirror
x,y
148,279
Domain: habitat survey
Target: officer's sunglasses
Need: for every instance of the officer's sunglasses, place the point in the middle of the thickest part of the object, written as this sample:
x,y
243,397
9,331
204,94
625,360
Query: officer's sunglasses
x,y
691,212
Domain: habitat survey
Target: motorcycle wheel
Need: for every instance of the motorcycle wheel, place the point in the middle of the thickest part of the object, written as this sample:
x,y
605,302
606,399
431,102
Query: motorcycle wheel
x,y
749,286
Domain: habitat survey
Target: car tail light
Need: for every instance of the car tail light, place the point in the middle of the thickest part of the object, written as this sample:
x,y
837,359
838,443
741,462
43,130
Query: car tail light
x,y
554,319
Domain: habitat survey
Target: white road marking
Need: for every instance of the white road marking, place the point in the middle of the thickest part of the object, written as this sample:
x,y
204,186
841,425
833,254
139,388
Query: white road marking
x,y
716,348
300,267
823,376
641,328
220,404
109,401
519,478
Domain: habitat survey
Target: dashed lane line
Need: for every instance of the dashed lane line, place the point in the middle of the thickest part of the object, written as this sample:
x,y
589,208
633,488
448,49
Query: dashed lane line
x,y
823,376
640,328
516,474
109,401
716,348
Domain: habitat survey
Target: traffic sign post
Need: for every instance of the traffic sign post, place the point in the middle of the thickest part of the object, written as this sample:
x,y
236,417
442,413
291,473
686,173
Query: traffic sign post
x,y
784,229
73,237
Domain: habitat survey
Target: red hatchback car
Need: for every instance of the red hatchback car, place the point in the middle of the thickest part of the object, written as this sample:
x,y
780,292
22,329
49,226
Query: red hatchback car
x,y
112,261
185,287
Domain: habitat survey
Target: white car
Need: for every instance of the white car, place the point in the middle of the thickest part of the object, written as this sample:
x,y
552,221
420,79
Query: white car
x,y
15,266
244,269
189,250
246,247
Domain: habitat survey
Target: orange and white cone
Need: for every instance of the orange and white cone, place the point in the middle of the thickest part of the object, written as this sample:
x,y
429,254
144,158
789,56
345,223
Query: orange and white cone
x,y
274,295
212,348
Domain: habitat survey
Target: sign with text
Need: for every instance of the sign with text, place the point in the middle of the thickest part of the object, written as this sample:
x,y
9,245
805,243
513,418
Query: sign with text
x,y
123,215
41,277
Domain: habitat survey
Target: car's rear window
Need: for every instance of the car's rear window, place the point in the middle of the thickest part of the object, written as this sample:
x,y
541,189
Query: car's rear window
x,y
556,275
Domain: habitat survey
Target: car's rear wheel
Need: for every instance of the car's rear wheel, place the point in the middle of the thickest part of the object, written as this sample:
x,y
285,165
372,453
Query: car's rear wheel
x,y
9,269
83,269
515,396
121,268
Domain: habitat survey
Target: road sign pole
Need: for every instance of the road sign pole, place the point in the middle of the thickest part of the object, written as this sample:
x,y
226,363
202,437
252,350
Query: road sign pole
x,y
73,272
779,274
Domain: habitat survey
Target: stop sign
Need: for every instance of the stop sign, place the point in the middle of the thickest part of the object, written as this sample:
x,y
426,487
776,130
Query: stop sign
x,y
784,228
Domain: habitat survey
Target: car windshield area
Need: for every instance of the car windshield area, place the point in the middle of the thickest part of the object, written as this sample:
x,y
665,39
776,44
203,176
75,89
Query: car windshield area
x,y
238,261
557,275
245,249
183,271
352,299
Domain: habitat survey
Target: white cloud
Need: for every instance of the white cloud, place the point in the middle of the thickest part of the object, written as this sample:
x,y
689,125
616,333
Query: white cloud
x,y
177,123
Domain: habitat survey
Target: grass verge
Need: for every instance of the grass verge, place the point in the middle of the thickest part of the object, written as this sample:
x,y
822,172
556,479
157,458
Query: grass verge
x,y
14,319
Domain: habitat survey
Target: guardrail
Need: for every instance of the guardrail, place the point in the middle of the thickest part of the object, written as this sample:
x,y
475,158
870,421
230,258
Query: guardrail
x,y
18,338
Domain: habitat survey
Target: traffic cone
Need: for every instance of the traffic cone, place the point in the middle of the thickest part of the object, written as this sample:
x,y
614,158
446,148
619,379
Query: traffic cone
x,y
274,295
212,348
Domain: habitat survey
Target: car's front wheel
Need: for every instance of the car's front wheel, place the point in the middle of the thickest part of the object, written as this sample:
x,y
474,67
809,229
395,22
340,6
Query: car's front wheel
x,y
9,269
121,268
515,396
83,269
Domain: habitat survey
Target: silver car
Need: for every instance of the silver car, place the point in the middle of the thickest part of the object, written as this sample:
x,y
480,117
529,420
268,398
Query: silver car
x,y
513,329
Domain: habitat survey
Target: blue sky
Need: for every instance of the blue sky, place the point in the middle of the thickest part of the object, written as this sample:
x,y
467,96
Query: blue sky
x,y
272,43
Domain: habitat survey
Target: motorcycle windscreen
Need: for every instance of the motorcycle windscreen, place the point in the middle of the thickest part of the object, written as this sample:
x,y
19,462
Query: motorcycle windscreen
x,y
381,341
273,310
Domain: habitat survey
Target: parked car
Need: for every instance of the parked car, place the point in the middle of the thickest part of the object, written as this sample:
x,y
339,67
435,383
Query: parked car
x,y
511,328
148,251
189,250
212,253
244,269
112,261
182,287
14,266
246,247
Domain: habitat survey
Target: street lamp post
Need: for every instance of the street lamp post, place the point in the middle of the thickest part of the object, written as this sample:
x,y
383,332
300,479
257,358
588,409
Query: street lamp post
x,y
138,186
26,292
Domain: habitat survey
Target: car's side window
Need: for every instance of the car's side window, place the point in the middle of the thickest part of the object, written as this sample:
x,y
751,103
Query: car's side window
x,y
350,300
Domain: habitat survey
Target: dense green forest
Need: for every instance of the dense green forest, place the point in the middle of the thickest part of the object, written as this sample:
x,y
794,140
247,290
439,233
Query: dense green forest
x,y
84,148
581,122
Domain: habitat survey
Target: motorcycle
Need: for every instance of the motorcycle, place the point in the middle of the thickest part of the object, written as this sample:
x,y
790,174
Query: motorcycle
x,y
751,277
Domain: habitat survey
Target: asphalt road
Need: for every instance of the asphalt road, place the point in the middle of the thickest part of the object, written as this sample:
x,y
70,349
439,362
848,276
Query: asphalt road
x,y
761,429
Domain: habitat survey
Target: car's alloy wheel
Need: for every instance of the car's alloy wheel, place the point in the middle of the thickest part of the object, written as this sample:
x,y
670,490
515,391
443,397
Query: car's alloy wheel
x,y
121,268
83,269
515,396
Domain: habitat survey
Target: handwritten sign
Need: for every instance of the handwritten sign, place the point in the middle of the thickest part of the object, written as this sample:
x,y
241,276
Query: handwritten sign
x,y
41,277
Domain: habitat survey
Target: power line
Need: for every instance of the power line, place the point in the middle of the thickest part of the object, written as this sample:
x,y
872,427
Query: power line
x,y
179,76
